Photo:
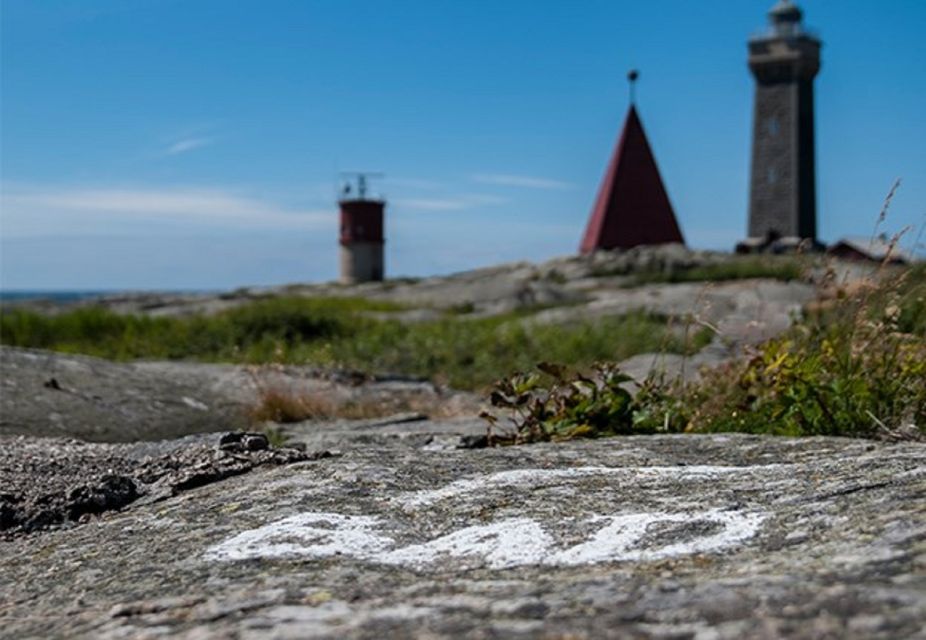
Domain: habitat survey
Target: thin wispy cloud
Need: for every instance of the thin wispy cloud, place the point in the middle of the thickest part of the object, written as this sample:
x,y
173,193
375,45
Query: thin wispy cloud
x,y
524,182
453,203
413,183
187,144
431,204
37,210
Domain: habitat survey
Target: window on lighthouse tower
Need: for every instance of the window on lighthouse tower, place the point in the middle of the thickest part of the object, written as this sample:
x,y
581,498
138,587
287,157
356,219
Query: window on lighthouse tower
x,y
772,126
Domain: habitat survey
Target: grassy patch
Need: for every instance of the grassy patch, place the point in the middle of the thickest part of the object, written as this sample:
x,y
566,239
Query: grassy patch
x,y
250,332
472,353
463,352
785,268
857,369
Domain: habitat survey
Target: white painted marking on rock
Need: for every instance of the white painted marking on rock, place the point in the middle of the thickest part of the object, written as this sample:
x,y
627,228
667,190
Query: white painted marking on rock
x,y
507,543
514,541
316,535
619,539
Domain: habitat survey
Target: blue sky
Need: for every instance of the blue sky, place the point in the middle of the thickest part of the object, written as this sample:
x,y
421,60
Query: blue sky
x,y
179,144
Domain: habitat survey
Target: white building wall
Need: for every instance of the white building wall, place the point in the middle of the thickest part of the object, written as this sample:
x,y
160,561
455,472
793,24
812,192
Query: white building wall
x,y
362,262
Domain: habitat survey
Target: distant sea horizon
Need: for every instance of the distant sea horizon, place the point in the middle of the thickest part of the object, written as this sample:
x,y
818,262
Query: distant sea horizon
x,y
74,295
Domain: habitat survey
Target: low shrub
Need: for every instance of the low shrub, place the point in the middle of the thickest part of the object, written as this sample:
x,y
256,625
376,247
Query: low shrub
x,y
554,404
857,369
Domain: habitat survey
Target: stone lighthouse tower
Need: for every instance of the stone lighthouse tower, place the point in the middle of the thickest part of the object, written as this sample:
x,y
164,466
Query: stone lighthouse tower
x,y
361,236
782,193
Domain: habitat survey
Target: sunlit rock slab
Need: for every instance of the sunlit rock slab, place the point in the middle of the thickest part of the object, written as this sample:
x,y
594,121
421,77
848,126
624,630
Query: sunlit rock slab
x,y
48,394
643,537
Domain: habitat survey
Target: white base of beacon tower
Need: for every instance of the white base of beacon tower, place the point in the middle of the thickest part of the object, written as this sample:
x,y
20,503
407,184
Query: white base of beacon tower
x,y
362,262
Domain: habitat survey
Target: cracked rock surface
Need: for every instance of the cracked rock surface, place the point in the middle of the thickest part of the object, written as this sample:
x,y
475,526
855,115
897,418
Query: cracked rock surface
x,y
403,535
55,482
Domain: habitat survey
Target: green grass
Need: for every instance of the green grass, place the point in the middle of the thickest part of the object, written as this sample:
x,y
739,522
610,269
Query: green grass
x,y
249,333
463,352
784,268
856,369
472,353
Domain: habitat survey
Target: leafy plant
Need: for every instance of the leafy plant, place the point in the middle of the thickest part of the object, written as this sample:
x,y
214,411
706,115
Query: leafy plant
x,y
556,404
276,437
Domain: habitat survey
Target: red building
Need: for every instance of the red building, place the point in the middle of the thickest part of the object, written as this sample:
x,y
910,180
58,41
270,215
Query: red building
x,y
361,236
632,207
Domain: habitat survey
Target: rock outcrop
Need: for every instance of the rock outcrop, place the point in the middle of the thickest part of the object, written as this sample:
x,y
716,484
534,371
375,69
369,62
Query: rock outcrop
x,y
62,395
403,535
51,482
568,280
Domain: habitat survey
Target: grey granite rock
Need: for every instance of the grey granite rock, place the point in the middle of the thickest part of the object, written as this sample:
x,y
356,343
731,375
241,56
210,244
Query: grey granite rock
x,y
49,482
53,394
567,280
643,537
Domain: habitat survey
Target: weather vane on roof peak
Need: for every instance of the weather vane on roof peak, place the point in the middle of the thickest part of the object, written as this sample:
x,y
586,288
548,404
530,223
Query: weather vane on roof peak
x,y
632,77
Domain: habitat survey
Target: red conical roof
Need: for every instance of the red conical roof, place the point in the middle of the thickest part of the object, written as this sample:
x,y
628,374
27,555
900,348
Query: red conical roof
x,y
632,207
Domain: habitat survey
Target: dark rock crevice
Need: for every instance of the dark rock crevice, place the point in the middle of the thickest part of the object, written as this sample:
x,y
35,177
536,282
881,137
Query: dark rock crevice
x,y
53,482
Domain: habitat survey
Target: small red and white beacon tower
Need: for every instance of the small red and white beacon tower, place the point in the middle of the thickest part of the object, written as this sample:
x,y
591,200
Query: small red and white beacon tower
x,y
361,231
